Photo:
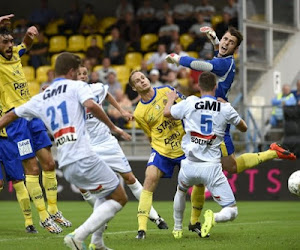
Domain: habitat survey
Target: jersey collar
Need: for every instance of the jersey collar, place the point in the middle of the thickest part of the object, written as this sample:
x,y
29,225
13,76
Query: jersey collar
x,y
209,96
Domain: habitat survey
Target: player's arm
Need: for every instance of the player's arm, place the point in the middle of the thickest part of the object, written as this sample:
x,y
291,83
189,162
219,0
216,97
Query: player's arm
x,y
242,126
5,20
31,33
100,114
172,96
123,112
7,119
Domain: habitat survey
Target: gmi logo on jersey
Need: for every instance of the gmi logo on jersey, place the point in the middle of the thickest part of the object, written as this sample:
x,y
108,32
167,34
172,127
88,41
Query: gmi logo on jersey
x,y
65,135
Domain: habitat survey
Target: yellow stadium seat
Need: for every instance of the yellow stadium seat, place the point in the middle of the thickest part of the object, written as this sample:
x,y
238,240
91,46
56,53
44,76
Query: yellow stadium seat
x,y
105,23
81,55
133,59
185,40
53,59
193,54
97,67
107,39
24,59
34,87
147,57
123,73
52,27
57,44
215,20
147,40
99,41
76,43
29,73
41,73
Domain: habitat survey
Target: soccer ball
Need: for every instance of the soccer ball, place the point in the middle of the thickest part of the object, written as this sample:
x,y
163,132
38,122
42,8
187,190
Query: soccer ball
x,y
294,183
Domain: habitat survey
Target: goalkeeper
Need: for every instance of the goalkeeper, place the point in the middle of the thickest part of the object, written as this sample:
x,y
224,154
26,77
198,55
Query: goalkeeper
x,y
223,66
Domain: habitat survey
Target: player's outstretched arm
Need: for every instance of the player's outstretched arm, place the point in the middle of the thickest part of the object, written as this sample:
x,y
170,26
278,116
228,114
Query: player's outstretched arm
x,y
7,119
211,35
101,115
123,112
31,33
5,20
172,96
242,126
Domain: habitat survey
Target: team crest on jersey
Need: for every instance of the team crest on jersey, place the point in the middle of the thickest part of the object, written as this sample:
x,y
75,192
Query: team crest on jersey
x,y
157,107
65,135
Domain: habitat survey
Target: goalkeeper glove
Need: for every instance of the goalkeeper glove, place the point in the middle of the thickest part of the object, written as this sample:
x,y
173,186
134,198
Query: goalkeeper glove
x,y
173,58
211,34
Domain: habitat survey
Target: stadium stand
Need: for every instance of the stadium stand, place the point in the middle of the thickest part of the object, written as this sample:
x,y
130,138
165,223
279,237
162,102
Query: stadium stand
x,y
57,44
76,43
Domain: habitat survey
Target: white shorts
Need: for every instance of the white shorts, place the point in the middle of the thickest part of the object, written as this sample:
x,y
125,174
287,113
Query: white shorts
x,y
112,154
92,174
210,175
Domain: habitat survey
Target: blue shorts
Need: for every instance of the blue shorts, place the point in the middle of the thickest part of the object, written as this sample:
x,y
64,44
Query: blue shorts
x,y
165,164
29,136
10,158
227,147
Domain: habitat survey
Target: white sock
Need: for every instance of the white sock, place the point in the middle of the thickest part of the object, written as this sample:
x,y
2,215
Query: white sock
x,y
136,189
226,214
102,214
89,198
179,207
97,238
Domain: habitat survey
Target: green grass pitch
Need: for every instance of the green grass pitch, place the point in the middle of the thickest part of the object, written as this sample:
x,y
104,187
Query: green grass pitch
x,y
259,225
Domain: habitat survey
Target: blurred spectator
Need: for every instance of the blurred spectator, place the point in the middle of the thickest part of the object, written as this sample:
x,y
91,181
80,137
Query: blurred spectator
x,y
39,51
164,71
106,68
222,27
132,95
161,14
114,114
113,84
123,8
286,98
199,37
296,92
178,50
43,15
86,62
144,68
20,30
172,79
154,78
232,9
94,78
206,10
183,14
146,18
93,52
168,32
88,24
130,31
50,78
72,19
158,57
116,48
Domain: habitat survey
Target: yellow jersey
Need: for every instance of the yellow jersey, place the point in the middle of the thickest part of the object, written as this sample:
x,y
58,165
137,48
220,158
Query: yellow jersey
x,y
165,133
3,131
14,89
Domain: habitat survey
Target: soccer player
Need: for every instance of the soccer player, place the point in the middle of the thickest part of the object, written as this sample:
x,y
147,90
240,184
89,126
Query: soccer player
x,y
108,148
30,137
223,66
61,108
205,120
165,138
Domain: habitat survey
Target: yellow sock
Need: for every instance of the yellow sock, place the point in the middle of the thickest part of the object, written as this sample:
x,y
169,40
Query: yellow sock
x,y
36,194
24,201
197,200
145,204
50,185
250,160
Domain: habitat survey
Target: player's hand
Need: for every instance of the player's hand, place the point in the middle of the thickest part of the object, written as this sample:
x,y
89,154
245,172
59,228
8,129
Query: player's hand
x,y
32,32
220,99
173,58
5,20
211,34
126,114
172,95
122,133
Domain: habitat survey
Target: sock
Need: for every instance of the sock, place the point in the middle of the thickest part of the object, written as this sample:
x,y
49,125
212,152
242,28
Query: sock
x,y
89,198
226,214
102,214
250,160
136,189
144,209
36,194
50,186
197,201
24,201
178,207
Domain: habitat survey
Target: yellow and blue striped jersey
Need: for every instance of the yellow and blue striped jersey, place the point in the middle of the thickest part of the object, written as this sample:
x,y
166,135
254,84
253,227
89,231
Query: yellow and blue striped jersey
x,y
13,84
165,133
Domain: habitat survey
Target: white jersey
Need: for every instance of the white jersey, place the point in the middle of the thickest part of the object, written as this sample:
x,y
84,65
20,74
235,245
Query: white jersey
x,y
60,107
205,120
98,131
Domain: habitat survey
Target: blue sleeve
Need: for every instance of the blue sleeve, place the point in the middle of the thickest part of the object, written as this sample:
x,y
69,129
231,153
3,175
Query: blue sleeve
x,y
220,65
186,61
276,102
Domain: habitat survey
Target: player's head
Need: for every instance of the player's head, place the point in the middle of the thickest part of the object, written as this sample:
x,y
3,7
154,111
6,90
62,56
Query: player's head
x,y
82,73
139,82
230,41
6,43
207,82
67,65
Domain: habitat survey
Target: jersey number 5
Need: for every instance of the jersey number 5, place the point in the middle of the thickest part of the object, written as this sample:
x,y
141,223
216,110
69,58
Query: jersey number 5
x,y
206,124
51,111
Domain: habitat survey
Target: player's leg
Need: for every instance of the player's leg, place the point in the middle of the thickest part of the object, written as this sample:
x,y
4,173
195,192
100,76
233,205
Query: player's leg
x,y
178,211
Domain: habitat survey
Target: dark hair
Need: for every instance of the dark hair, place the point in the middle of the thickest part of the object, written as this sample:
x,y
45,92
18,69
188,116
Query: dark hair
x,y
66,61
4,31
131,83
207,81
234,32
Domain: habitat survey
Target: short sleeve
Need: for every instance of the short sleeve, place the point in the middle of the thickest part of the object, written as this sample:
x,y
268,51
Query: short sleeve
x,y
29,110
232,115
84,92
178,111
